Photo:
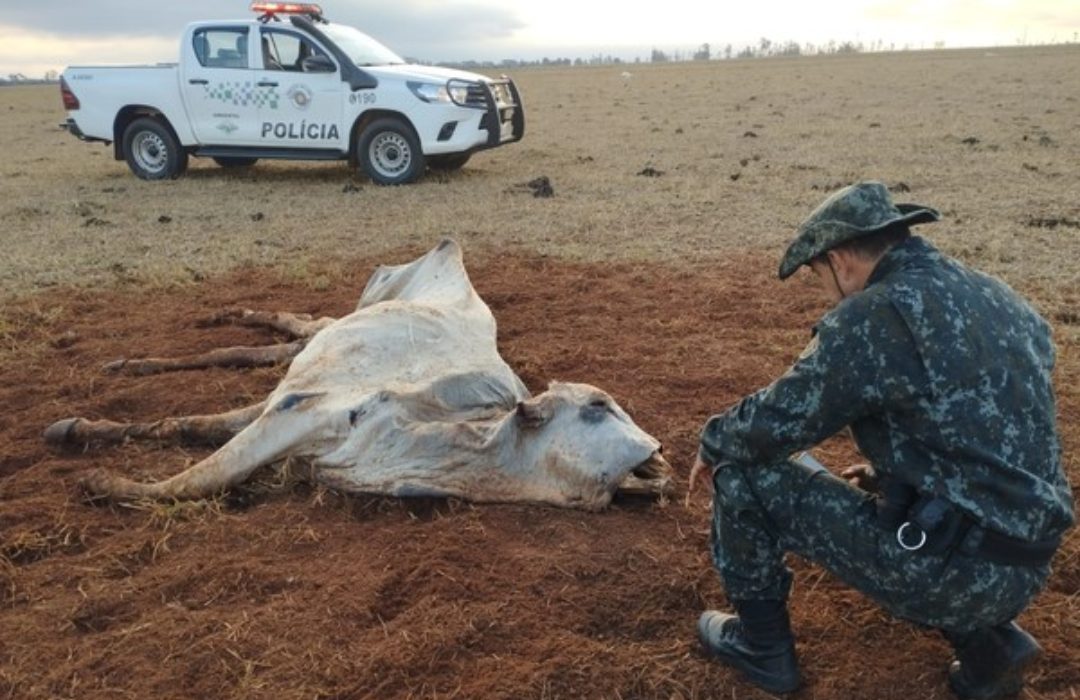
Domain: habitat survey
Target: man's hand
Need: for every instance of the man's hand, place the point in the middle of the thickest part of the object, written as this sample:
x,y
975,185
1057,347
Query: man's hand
x,y
861,476
699,472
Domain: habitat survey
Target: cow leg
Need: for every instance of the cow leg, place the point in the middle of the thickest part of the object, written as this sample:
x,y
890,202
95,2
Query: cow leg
x,y
293,325
267,439
214,429
260,356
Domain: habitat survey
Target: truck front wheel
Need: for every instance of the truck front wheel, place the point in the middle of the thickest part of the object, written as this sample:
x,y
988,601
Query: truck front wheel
x,y
152,152
389,152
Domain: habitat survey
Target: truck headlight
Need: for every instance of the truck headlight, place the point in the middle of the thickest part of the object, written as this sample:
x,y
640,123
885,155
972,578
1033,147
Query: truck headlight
x,y
467,94
460,92
429,92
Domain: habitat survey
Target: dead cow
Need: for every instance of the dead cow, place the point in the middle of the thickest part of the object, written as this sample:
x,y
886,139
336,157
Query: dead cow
x,y
406,396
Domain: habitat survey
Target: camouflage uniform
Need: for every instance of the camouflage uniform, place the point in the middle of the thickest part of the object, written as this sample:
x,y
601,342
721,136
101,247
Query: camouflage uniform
x,y
943,375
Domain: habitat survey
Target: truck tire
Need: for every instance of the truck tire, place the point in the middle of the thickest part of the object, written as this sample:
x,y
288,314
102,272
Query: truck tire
x,y
151,150
389,152
454,161
235,161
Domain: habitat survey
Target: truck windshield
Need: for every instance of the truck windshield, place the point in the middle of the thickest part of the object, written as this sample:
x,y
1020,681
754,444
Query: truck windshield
x,y
359,47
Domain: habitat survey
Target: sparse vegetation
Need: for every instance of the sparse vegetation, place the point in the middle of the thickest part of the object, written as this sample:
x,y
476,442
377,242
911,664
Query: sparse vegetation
x,y
812,111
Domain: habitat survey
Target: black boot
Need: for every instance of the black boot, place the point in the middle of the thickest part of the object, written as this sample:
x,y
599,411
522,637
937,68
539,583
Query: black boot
x,y
990,662
758,642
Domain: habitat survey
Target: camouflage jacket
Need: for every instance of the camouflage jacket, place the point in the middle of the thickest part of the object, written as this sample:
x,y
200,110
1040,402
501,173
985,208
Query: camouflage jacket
x,y
943,375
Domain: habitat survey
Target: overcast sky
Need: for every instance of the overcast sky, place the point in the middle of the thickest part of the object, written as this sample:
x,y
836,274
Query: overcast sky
x,y
50,34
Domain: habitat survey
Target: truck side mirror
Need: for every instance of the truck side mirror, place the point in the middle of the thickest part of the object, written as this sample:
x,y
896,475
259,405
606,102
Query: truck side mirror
x,y
318,64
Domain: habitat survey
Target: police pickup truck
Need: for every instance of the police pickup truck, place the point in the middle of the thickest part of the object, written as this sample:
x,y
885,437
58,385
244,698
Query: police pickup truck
x,y
288,84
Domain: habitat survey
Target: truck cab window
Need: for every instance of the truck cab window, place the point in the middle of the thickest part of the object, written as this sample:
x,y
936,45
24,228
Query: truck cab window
x,y
286,51
221,47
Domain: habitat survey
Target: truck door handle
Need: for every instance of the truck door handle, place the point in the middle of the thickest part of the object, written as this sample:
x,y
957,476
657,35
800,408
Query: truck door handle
x,y
199,81
266,83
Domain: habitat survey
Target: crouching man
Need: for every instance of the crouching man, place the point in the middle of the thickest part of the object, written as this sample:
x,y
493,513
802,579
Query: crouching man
x,y
943,376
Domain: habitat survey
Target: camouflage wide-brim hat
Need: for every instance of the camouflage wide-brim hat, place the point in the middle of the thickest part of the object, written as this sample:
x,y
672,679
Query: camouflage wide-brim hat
x,y
857,210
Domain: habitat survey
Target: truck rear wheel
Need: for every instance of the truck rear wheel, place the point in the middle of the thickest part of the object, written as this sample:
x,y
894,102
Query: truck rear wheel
x,y
151,150
454,161
235,161
389,152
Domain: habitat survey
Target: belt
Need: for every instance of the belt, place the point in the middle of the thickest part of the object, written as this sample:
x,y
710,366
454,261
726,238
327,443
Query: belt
x,y
933,525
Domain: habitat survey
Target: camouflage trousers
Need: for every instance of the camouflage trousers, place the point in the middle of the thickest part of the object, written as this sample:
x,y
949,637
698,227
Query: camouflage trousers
x,y
761,512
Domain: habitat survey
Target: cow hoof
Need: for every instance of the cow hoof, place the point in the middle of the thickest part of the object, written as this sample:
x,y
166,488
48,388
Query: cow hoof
x,y
59,433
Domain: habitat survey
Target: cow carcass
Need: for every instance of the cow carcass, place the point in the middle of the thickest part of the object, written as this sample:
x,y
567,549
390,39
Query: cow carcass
x,y
406,396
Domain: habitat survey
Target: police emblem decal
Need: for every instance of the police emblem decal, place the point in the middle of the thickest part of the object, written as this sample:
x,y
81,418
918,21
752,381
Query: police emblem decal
x,y
300,95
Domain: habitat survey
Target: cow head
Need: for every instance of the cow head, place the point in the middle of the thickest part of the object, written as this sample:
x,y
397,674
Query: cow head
x,y
580,448
474,436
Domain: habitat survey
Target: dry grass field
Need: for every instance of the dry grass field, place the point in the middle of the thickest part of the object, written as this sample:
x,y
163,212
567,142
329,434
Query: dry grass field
x,y
659,289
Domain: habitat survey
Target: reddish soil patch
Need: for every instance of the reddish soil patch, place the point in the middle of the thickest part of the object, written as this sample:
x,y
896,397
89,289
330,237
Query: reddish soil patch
x,y
287,591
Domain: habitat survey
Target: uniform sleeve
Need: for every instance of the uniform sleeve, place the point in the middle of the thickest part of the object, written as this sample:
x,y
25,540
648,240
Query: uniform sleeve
x,y
857,364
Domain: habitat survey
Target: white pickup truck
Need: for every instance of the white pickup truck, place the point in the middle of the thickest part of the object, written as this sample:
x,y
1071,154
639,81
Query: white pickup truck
x,y
291,85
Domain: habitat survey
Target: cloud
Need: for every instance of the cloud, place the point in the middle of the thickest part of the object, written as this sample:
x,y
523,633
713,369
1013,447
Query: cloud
x,y
49,34
124,18
432,30
33,53
416,27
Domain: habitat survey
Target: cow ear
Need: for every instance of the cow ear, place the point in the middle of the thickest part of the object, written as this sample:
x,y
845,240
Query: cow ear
x,y
533,413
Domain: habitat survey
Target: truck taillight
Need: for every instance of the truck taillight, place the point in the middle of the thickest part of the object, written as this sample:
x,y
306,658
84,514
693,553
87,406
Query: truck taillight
x,y
70,101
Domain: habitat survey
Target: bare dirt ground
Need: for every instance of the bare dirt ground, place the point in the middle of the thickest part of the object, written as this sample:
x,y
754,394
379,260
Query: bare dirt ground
x,y
660,290
279,590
